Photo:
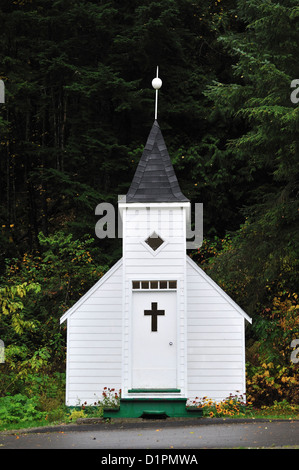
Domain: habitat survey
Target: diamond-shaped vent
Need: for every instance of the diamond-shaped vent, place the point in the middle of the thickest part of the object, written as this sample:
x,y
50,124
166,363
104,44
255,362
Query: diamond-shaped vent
x,y
154,241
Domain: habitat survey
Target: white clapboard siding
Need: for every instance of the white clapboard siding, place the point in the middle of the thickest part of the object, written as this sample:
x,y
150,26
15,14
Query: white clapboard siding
x,y
210,325
94,343
215,339
140,262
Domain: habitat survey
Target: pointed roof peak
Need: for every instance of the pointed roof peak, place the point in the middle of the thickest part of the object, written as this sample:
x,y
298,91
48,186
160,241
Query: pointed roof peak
x,y
155,179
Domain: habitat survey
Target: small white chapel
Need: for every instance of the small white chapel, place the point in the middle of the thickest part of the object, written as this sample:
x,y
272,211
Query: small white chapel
x,y
155,326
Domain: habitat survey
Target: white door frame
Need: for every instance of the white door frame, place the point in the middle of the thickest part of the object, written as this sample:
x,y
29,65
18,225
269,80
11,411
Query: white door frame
x,y
181,333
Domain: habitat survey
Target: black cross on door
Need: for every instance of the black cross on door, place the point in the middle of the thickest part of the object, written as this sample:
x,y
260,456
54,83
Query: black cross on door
x,y
154,312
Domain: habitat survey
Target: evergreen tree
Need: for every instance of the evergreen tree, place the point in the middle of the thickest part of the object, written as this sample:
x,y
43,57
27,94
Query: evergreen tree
x,y
265,253
80,105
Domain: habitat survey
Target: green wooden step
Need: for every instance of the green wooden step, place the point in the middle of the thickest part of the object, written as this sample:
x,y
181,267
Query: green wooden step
x,y
154,390
152,407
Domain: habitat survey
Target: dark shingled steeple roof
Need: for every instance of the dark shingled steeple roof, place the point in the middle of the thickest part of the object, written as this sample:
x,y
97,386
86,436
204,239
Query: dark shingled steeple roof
x,y
155,179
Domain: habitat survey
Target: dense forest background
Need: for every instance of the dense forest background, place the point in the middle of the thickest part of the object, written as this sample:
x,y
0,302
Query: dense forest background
x,y
79,106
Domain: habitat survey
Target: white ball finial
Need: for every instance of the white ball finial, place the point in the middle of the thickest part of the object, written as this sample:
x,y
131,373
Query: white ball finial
x,y
156,83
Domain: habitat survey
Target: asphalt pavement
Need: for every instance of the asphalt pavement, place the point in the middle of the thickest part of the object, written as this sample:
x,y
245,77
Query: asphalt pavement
x,y
170,434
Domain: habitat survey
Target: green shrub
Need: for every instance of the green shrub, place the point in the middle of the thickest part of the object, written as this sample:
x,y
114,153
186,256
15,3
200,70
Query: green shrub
x,y
19,409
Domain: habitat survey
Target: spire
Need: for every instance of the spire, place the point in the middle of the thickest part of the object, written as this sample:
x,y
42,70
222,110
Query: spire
x,y
155,179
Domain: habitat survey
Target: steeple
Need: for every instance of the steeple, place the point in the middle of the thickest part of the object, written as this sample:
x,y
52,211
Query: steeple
x,y
155,179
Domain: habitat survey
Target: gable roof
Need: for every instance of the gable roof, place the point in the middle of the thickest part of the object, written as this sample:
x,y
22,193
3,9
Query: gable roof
x,y
119,264
155,179
218,289
84,297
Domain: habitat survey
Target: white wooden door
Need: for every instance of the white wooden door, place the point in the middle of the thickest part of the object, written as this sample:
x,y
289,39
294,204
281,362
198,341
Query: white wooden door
x,y
154,340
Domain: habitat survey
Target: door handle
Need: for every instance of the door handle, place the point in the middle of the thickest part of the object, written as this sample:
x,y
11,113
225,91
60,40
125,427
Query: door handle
x,y
170,343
